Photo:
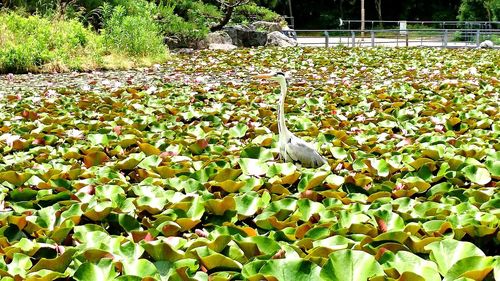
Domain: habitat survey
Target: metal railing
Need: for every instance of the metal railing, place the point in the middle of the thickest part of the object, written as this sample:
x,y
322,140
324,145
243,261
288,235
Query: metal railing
x,y
391,24
447,38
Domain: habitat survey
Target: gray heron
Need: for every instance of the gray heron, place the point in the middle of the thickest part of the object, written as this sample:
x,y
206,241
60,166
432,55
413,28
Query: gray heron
x,y
292,148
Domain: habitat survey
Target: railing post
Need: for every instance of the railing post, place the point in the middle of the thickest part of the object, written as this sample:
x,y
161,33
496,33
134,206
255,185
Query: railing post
x,y
353,38
327,39
372,35
406,39
478,38
445,38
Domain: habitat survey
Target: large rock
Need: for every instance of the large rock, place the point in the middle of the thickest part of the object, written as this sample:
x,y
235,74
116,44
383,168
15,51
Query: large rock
x,y
486,44
176,43
225,47
279,39
267,26
246,37
218,37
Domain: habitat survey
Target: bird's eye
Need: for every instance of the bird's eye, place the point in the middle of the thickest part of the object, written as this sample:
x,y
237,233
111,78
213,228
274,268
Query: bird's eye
x,y
279,74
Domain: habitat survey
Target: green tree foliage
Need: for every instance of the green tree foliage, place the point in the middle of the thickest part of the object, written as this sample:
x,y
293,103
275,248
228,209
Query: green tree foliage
x,y
479,10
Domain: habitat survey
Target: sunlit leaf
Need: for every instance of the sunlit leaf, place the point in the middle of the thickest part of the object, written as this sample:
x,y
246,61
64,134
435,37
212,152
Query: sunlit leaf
x,y
345,264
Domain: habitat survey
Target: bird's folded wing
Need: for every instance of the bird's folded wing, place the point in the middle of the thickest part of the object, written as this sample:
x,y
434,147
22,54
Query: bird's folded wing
x,y
299,151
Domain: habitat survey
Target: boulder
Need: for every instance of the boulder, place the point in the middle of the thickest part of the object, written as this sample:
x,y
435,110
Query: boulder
x,y
267,26
254,38
225,47
486,44
246,37
185,51
173,42
233,31
279,39
219,37
176,43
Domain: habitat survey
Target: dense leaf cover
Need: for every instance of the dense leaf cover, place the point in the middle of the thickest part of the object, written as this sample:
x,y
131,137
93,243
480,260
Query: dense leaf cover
x,y
179,178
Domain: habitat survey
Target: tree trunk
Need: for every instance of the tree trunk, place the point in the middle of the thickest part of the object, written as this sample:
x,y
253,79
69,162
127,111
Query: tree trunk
x,y
224,21
378,7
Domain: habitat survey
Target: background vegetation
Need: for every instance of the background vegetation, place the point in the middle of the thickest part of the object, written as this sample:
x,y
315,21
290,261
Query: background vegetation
x,y
88,34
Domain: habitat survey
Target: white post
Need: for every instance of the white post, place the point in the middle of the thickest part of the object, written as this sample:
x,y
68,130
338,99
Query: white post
x,y
402,27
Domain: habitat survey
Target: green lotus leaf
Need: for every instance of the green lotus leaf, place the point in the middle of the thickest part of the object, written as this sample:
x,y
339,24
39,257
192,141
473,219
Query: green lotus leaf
x,y
447,252
14,178
58,264
98,139
493,167
251,270
404,261
162,251
476,174
219,206
345,264
474,267
140,267
255,246
257,152
278,169
310,180
150,162
238,131
23,194
129,278
98,211
131,161
19,265
439,188
103,270
149,149
336,242
248,203
215,261
291,269
253,167
381,166
227,174
307,208
416,182
45,274
338,153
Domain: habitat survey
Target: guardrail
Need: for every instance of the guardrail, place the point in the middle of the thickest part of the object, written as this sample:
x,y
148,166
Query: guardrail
x,y
388,24
446,38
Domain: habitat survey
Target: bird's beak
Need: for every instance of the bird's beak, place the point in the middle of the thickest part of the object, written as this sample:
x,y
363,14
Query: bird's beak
x,y
264,76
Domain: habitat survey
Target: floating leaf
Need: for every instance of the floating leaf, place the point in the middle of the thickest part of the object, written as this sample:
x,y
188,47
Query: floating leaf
x,y
345,264
477,174
447,252
103,270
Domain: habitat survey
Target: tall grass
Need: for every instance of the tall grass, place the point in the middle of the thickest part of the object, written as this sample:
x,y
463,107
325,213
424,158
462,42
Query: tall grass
x,y
132,32
32,43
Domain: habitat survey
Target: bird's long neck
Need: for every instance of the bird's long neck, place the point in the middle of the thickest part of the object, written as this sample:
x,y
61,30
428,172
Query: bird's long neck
x,y
282,129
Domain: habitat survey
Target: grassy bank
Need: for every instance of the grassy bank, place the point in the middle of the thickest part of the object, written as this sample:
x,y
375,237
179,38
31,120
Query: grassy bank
x,y
106,34
30,43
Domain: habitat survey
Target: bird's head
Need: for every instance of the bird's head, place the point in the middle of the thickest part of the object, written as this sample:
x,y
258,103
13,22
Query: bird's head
x,y
276,76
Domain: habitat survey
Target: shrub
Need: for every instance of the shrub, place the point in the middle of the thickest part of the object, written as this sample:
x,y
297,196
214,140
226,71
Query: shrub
x,y
249,13
132,31
187,20
29,43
